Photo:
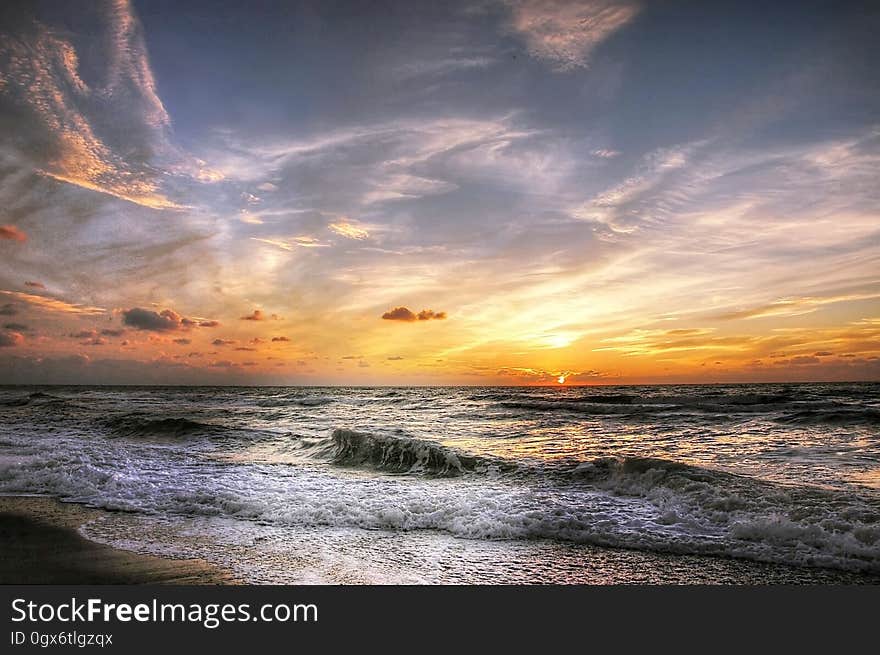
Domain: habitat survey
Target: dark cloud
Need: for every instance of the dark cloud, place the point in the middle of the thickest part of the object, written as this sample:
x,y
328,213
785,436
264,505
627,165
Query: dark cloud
x,y
107,332
84,334
399,314
12,233
183,342
280,339
209,324
35,285
406,315
804,360
97,341
10,339
247,349
222,342
16,327
823,353
257,315
8,310
395,358
146,319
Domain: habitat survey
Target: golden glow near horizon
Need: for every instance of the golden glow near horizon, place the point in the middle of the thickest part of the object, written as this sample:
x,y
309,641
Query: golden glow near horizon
x,y
426,237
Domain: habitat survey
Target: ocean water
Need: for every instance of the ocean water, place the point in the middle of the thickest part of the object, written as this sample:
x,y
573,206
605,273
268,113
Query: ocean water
x,y
736,483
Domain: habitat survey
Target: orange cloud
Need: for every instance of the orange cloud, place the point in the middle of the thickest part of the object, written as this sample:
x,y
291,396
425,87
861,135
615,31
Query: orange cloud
x,y
10,339
53,304
12,233
257,315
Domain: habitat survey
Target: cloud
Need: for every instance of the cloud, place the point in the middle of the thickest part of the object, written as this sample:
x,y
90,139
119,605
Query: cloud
x,y
84,334
209,324
16,327
395,358
183,341
793,306
10,339
35,285
349,230
565,32
223,342
280,339
12,233
53,304
90,119
146,319
109,332
292,244
406,315
8,310
256,315
527,375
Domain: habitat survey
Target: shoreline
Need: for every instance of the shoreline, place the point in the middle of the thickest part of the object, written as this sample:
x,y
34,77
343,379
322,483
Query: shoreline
x,y
43,545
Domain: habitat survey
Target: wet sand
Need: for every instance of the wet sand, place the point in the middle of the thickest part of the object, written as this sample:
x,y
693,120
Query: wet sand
x,y
41,545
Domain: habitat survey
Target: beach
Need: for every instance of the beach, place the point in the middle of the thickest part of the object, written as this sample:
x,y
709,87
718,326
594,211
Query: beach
x,y
42,545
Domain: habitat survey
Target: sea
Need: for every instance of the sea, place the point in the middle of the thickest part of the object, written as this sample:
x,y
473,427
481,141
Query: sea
x,y
676,484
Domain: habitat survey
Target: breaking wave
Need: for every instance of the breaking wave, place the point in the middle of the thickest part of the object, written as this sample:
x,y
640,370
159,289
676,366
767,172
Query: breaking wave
x,y
398,454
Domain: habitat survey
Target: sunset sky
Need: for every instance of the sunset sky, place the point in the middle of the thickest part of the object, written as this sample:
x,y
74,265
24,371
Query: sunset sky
x,y
489,192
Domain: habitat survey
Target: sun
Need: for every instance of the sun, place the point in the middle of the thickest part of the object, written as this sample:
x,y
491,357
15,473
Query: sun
x,y
561,379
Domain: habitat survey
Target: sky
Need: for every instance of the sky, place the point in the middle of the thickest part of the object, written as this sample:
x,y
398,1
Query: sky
x,y
486,192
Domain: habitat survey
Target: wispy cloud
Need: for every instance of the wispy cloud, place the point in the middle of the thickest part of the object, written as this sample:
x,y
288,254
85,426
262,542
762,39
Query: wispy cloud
x,y
349,230
53,304
565,32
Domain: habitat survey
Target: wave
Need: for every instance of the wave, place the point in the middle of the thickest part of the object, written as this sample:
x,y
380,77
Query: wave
x,y
398,454
134,425
307,401
33,398
628,502
836,417
578,406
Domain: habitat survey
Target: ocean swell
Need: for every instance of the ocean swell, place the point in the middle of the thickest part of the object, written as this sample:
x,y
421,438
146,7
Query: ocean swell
x,y
145,426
